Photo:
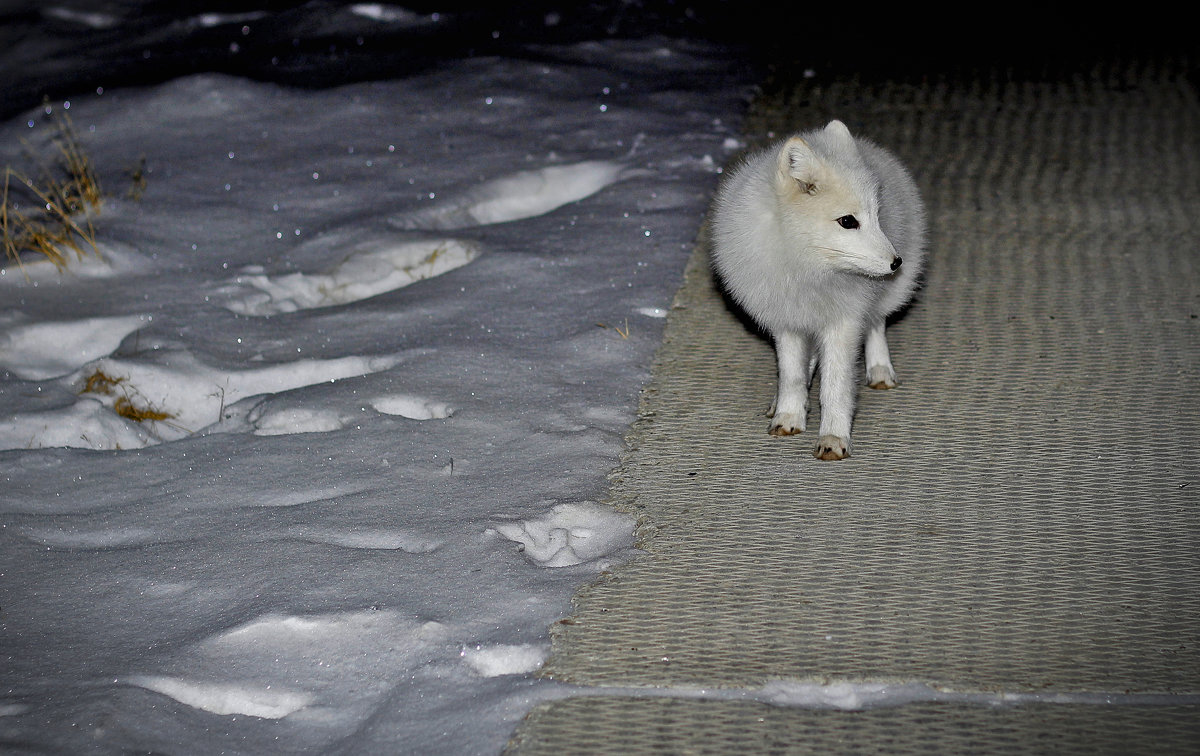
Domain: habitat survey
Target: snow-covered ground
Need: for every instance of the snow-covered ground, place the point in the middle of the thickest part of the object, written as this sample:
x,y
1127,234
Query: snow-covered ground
x,y
397,330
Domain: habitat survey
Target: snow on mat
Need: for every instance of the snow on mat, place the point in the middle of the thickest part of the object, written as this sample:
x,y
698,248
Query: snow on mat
x,y
1018,516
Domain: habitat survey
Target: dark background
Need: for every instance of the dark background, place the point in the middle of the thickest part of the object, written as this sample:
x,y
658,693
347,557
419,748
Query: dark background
x,y
320,43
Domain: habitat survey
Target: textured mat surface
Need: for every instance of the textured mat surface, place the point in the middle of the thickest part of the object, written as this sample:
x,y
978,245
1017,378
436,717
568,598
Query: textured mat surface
x,y
1022,514
625,725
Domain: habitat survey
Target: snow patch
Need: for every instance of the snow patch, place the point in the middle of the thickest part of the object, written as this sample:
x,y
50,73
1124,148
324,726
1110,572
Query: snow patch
x,y
295,498
227,698
94,20
521,195
387,539
87,424
111,258
101,538
38,351
502,659
297,420
845,696
210,20
315,632
412,407
376,267
194,393
346,660
390,14
570,534
191,394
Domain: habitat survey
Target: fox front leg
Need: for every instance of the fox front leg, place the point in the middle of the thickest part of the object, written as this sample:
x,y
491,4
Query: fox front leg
x,y
880,374
839,351
790,409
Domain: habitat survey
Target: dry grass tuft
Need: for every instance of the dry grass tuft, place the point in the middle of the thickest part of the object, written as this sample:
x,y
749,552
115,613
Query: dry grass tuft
x,y
53,220
622,332
100,382
126,408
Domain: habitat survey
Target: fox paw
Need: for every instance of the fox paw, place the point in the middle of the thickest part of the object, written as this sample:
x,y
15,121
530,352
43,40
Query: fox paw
x,y
881,377
786,424
830,448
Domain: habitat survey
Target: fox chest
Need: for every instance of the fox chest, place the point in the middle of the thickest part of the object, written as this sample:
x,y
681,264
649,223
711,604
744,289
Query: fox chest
x,y
794,297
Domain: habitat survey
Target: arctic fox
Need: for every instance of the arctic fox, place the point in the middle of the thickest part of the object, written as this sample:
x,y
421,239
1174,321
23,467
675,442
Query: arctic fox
x,y
820,238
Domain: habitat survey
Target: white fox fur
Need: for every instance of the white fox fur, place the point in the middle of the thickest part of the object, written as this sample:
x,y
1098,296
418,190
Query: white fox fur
x,y
819,238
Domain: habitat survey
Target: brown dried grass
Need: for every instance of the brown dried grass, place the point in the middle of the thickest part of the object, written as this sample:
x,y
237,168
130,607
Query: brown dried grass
x,y
54,220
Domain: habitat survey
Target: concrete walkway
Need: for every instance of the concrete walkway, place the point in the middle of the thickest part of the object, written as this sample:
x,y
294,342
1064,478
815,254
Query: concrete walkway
x,y
1010,562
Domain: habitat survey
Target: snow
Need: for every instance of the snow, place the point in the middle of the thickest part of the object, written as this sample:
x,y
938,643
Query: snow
x,y
525,194
394,333
365,272
569,534
49,349
391,14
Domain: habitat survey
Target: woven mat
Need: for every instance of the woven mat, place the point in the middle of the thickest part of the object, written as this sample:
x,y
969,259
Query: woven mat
x,y
1021,515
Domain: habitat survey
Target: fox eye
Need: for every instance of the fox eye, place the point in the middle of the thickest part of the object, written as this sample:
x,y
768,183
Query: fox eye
x,y
848,221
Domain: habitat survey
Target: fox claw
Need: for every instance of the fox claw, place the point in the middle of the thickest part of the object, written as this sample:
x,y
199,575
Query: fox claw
x,y
831,448
786,424
881,377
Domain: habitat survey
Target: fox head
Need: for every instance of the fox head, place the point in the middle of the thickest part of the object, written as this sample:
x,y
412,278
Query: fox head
x,y
829,202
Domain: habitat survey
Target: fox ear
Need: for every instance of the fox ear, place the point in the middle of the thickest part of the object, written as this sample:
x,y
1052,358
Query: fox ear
x,y
798,161
838,130
840,136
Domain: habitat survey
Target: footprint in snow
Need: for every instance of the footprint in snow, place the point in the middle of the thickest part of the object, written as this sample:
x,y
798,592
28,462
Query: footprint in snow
x,y
289,420
374,267
570,534
519,195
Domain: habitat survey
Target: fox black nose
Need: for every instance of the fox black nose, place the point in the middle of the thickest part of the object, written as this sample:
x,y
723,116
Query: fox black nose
x,y
897,262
